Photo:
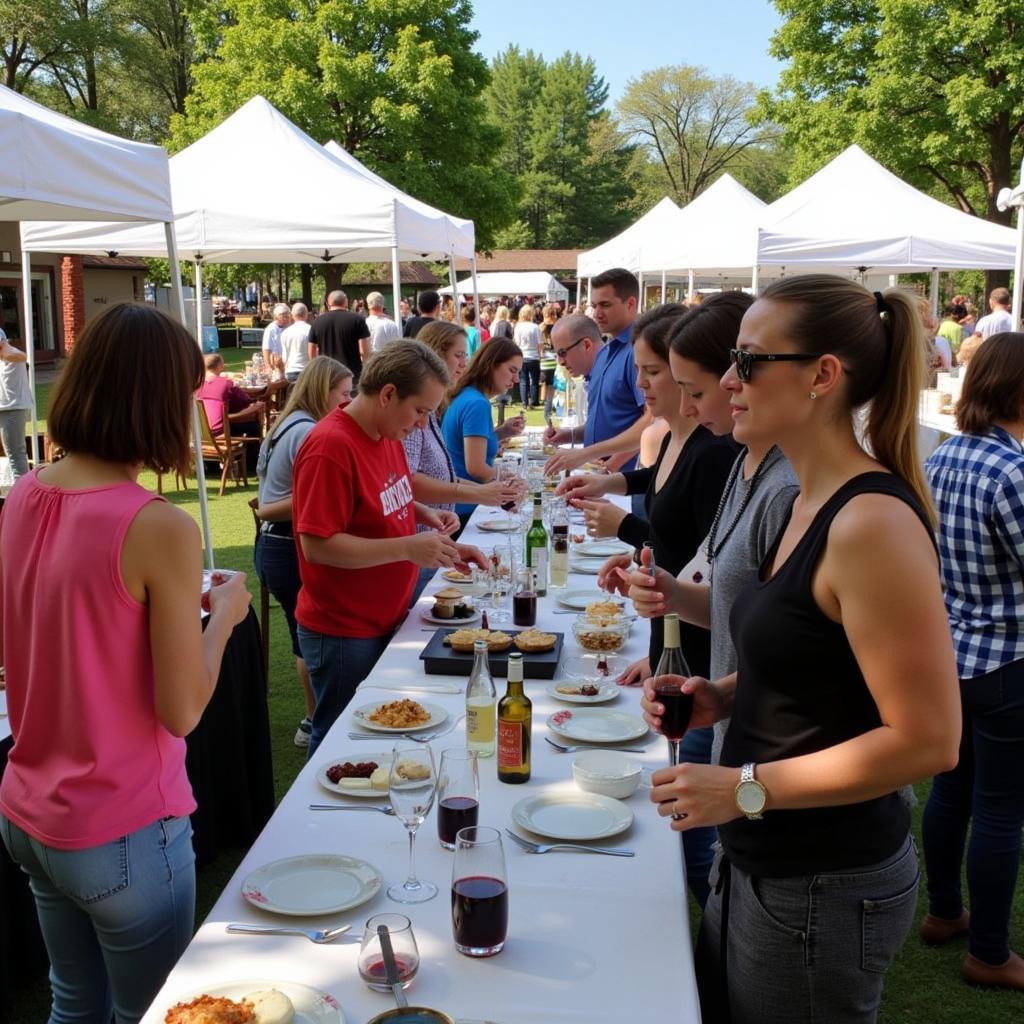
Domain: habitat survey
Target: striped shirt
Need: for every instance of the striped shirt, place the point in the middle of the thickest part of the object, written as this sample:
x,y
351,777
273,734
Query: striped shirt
x,y
978,485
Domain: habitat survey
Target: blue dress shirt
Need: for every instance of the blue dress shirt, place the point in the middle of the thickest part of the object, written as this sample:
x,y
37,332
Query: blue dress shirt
x,y
614,402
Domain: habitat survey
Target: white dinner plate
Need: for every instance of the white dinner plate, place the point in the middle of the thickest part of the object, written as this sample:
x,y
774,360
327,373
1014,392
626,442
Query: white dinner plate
x,y
572,816
315,883
498,525
586,566
383,759
578,600
597,725
607,692
436,620
362,717
456,577
603,548
311,1005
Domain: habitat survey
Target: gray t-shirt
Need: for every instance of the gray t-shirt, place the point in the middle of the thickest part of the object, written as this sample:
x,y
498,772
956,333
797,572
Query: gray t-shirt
x,y
275,469
14,390
740,554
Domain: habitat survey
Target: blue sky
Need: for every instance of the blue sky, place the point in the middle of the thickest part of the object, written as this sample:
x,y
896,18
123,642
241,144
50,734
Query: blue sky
x,y
728,37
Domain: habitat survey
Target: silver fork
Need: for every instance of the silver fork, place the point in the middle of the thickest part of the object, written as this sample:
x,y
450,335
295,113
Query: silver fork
x,y
421,738
548,847
318,935
573,748
379,808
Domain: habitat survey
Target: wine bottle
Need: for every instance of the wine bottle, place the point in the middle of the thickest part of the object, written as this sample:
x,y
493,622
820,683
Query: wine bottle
x,y
672,662
515,720
480,701
559,546
678,705
537,548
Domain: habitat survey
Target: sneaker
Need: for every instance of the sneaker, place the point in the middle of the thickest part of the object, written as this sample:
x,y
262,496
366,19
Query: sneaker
x,y
303,733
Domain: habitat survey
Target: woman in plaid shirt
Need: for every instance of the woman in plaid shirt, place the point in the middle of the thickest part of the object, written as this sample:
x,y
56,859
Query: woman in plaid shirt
x,y
977,479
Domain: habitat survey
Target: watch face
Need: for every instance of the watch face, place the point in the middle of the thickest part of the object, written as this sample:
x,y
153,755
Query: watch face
x,y
750,797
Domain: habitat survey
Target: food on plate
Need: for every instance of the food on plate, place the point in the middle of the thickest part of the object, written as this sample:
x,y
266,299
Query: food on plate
x,y
454,576
598,640
348,770
532,641
400,714
577,538
586,690
561,717
412,771
211,1010
272,1007
379,779
449,604
463,639
597,611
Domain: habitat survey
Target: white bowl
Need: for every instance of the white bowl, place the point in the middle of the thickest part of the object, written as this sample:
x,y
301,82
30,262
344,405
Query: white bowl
x,y
607,772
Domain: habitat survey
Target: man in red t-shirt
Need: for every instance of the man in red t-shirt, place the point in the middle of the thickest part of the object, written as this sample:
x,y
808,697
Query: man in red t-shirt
x,y
354,514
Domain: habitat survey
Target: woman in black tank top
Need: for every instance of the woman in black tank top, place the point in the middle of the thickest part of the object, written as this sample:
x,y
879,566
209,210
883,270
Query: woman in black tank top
x,y
846,686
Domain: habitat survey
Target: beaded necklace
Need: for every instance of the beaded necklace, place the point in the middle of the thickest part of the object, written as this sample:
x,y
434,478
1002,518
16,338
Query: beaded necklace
x,y
713,549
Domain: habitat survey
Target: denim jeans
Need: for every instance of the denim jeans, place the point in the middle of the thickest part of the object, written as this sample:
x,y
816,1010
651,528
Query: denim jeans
x,y
12,436
529,382
804,950
337,665
698,843
277,566
115,917
985,789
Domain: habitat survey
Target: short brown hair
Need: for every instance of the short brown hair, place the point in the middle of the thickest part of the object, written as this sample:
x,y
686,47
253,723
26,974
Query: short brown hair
x,y
406,364
623,283
1000,296
994,384
126,393
440,336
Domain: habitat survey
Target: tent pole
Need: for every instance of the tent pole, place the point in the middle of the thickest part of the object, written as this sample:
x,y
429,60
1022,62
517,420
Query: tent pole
x,y
1018,268
198,264
689,283
664,288
935,291
396,286
455,287
476,292
579,291
28,340
642,304
197,440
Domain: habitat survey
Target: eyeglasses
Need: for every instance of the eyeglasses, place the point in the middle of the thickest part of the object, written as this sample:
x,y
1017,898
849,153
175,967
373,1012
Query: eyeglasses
x,y
560,352
744,360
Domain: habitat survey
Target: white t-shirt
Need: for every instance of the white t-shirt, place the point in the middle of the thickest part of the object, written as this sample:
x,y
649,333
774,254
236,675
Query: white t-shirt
x,y
382,330
14,391
527,337
272,337
944,351
995,323
295,346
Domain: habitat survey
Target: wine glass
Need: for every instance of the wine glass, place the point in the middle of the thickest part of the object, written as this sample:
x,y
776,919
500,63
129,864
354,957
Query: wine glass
x,y
479,892
412,784
403,943
500,583
458,798
676,718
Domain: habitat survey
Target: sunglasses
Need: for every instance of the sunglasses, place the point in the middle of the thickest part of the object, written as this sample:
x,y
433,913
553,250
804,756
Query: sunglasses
x,y
744,360
560,352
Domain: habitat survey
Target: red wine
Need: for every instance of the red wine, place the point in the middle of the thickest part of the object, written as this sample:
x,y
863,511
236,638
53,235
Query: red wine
x,y
507,506
374,973
453,813
479,913
678,708
524,608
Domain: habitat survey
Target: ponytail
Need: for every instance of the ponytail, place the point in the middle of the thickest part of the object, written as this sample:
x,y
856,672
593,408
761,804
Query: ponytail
x,y
881,344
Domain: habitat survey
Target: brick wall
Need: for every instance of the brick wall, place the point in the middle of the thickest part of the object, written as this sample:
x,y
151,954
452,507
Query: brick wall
x,y
72,287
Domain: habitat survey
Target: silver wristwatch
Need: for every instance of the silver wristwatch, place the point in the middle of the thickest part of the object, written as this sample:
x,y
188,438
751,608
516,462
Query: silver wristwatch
x,y
751,796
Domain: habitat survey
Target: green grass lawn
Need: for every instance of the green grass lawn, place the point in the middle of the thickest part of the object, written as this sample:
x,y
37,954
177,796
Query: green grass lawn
x,y
923,986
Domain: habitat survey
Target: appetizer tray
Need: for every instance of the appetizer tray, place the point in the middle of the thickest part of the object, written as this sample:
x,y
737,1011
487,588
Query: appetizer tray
x,y
440,660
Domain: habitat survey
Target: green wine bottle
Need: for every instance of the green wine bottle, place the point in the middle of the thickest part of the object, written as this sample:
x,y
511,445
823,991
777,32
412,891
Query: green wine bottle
x,y
537,548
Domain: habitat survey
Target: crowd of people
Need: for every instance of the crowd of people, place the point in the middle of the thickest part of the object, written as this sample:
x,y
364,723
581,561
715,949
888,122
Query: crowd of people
x,y
851,616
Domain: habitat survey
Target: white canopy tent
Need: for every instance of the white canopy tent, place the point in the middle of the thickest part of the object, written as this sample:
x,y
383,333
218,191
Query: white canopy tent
x,y
527,282
853,214
55,168
303,206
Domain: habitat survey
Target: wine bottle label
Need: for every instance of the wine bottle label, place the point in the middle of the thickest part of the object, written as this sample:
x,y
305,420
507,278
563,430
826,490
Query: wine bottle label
x,y
480,722
539,563
510,744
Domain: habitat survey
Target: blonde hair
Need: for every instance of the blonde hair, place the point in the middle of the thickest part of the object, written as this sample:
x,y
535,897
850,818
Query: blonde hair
x,y
526,313
404,363
310,392
501,313
883,356
440,336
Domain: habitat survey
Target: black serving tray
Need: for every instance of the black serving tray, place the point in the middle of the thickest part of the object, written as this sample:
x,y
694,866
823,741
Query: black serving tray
x,y
439,660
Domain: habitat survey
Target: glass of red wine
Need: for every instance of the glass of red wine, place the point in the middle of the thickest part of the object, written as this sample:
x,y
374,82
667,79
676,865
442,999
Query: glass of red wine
x,y
403,942
678,707
458,794
479,892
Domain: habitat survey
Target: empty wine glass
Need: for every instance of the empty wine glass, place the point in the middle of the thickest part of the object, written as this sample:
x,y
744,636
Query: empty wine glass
x,y
412,785
500,583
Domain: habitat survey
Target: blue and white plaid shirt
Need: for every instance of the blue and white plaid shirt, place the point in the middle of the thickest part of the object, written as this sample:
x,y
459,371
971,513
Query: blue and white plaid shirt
x,y
978,485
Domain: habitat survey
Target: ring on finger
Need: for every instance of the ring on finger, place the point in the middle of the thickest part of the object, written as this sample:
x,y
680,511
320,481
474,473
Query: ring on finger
x,y
676,814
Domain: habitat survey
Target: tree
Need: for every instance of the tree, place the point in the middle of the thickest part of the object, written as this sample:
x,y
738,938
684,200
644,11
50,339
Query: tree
x,y
398,84
511,95
933,90
692,125
30,36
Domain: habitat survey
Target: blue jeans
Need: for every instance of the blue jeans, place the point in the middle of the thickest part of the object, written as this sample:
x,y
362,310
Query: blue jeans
x,y
115,917
985,789
277,566
337,665
12,436
529,382
698,842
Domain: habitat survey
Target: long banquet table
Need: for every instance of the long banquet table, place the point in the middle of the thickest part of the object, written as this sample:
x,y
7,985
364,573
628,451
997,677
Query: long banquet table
x,y
591,939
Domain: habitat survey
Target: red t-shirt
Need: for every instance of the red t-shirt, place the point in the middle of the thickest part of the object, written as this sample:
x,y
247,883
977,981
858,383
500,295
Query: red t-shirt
x,y
345,482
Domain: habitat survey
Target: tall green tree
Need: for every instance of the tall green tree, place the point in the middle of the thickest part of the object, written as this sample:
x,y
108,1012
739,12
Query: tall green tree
x,y
511,95
30,36
692,125
396,82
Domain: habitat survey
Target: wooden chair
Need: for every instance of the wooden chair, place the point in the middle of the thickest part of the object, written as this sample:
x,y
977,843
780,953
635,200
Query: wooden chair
x,y
254,504
228,452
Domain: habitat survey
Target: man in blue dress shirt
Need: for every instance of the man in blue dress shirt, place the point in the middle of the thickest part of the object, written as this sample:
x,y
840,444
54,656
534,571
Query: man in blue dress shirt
x,y
616,412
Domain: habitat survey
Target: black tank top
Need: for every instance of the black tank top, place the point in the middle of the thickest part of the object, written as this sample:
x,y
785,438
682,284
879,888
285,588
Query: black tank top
x,y
799,690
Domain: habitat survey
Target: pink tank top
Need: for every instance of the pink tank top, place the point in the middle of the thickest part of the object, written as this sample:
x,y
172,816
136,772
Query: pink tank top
x,y
91,761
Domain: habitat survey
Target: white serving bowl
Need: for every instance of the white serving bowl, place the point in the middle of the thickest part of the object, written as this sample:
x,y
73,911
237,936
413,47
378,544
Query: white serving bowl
x,y
607,772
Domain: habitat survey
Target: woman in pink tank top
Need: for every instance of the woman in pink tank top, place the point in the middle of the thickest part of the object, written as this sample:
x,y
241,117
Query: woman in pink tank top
x,y
108,668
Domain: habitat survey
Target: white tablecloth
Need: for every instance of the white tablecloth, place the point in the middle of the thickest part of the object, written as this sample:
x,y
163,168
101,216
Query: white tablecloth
x,y
591,939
